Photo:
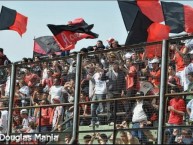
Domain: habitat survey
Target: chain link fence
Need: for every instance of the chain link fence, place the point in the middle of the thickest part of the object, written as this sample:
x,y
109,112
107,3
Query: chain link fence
x,y
108,96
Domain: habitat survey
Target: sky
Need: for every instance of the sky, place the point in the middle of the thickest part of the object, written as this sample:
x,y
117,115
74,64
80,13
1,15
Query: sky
x,y
105,15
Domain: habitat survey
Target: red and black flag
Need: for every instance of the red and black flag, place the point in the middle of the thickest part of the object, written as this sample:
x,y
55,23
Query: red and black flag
x,y
80,23
178,16
12,20
138,17
142,22
68,35
46,45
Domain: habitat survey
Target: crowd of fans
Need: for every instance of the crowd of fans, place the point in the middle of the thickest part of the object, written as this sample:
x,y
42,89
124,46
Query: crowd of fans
x,y
105,75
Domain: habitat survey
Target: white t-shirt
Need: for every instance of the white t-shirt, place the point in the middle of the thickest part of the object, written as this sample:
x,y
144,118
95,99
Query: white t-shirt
x,y
184,75
57,91
138,113
190,106
7,86
25,90
4,120
25,122
45,74
91,88
189,44
100,86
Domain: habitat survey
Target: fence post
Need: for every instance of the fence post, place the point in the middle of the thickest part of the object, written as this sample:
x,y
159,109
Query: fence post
x,y
11,98
163,84
75,129
115,122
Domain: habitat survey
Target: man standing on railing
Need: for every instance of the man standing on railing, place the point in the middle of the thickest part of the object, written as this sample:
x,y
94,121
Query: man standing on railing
x,y
100,90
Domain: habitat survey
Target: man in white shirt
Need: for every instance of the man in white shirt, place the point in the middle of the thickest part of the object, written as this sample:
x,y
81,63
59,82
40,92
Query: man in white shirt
x,y
141,114
8,82
3,118
24,92
25,121
100,90
184,74
56,90
189,43
189,108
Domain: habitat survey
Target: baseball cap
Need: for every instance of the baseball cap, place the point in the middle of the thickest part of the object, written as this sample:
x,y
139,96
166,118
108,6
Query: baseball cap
x,y
110,40
23,111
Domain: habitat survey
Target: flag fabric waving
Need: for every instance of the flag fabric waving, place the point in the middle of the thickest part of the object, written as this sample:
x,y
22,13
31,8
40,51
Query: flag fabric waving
x,y
46,45
79,22
142,20
138,17
12,20
129,11
178,16
174,16
138,33
142,24
152,9
68,35
156,32
188,18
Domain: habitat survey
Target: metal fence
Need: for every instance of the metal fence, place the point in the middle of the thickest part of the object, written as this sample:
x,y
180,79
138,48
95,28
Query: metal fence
x,y
109,96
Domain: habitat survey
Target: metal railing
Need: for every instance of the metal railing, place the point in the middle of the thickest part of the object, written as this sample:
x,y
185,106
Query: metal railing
x,y
75,131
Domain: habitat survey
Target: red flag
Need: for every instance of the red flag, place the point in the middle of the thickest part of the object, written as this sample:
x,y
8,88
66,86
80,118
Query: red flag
x,y
68,39
156,32
68,35
19,24
138,17
38,49
178,16
12,20
188,18
46,45
152,9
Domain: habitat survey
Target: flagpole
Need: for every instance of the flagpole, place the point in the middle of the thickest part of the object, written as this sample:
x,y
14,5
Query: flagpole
x,y
163,84
33,47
